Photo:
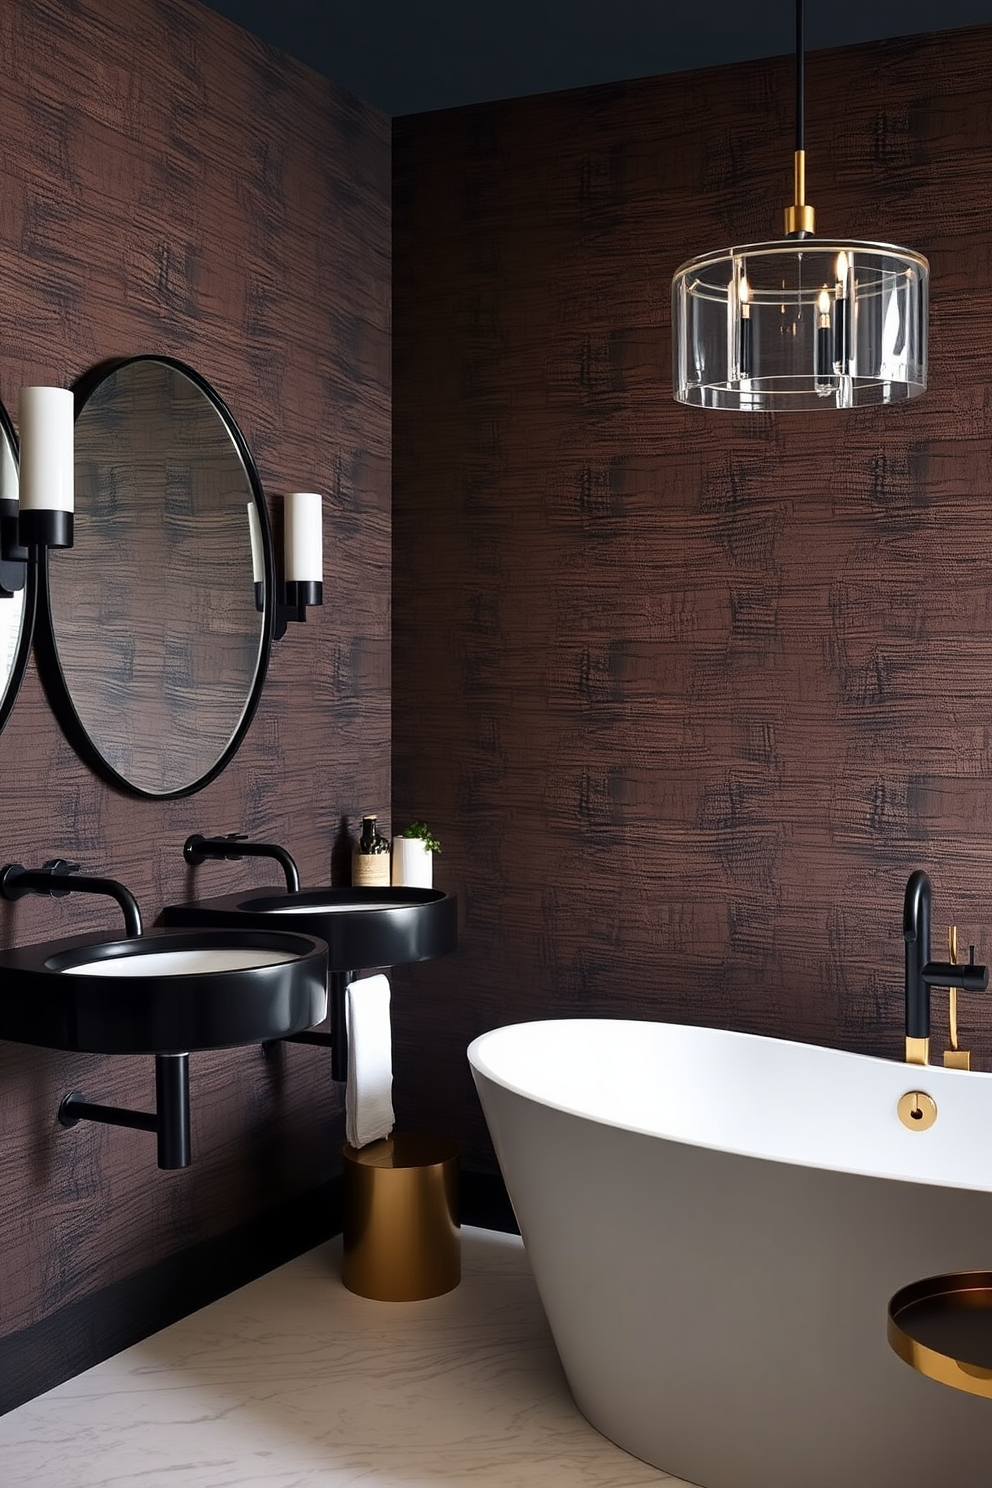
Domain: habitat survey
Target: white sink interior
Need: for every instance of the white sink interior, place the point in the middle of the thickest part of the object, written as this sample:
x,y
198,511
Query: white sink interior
x,y
180,963
337,907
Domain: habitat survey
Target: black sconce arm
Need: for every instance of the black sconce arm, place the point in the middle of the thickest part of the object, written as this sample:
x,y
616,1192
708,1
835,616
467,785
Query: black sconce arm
x,y
293,599
14,556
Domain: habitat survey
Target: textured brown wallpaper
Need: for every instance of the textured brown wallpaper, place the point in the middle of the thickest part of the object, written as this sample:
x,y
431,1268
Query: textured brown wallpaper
x,y
686,695
172,186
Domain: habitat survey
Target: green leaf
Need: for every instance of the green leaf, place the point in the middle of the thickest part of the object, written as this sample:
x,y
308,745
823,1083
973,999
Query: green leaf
x,y
422,830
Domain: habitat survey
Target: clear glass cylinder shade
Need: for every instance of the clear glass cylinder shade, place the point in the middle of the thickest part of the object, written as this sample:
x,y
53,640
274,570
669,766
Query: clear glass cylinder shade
x,y
800,323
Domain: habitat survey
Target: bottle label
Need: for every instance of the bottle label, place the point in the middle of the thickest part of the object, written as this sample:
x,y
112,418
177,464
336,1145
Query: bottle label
x,y
370,870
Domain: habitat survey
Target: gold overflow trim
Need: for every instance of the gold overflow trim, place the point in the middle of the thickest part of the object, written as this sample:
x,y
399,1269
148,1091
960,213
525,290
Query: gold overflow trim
x,y
916,1110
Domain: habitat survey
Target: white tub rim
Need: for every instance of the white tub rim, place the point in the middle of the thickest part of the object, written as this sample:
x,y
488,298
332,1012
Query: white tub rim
x,y
892,1073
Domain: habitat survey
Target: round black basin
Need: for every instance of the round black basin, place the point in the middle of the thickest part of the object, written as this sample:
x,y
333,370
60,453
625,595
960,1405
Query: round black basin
x,y
361,927
168,991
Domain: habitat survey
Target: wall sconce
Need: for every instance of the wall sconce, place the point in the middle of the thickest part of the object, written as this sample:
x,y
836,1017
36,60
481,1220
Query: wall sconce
x,y
40,515
14,555
46,416
303,554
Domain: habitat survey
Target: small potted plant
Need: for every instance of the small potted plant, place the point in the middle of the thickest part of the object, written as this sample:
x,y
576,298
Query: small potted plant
x,y
413,857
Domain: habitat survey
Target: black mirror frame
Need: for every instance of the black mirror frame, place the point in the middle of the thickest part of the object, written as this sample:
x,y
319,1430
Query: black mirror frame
x,y
50,667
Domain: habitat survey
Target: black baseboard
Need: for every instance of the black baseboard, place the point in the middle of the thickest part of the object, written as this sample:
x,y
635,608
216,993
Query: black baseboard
x,y
96,1327
86,1332
486,1203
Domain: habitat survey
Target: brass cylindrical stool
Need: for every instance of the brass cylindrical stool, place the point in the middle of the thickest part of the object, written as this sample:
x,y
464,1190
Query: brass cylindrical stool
x,y
401,1235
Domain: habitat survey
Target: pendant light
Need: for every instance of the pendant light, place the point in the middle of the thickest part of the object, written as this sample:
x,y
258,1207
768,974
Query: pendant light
x,y
801,322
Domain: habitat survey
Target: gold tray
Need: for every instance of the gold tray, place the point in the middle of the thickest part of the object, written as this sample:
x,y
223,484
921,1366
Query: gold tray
x,y
942,1327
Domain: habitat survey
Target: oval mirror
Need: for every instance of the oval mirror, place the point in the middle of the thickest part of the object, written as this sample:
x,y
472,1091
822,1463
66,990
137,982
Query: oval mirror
x,y
155,626
17,578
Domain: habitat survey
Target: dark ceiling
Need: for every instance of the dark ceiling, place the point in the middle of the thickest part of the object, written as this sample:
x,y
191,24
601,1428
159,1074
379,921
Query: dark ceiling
x,y
409,56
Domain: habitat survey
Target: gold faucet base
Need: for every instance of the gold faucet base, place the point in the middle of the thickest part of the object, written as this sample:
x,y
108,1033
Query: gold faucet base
x,y
917,1051
959,1059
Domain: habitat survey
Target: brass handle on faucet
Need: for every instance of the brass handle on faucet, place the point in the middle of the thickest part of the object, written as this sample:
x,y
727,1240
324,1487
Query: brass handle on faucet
x,y
955,1058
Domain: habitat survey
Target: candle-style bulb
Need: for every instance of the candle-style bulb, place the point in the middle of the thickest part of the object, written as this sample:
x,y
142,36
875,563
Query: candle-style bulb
x,y
824,342
842,319
746,355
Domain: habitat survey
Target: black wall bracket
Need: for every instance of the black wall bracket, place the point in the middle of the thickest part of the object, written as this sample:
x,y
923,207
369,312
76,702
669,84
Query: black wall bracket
x,y
337,1039
170,1120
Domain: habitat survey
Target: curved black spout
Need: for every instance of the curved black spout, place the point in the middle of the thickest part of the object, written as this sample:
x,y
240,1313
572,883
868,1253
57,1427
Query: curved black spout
x,y
197,848
916,933
54,879
921,972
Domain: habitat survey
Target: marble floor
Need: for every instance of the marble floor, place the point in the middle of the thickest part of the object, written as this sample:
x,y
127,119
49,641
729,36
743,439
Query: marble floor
x,y
294,1382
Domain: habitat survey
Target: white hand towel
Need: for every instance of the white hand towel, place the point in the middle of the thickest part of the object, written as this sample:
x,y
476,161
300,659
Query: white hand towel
x,y
369,1094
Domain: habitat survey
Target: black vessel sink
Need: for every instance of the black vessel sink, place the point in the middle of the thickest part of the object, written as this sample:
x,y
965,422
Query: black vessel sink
x,y
361,927
163,992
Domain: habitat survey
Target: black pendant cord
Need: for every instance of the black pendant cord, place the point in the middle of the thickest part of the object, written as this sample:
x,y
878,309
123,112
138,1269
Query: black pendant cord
x,y
800,78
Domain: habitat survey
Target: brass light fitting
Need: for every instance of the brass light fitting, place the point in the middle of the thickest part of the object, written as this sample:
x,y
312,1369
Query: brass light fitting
x,y
800,219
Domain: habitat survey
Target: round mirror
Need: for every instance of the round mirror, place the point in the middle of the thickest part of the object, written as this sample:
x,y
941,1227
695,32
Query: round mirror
x,y
17,578
155,634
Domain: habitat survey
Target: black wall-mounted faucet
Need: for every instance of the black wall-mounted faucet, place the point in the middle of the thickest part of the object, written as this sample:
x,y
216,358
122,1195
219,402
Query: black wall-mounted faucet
x,y
58,878
197,849
922,973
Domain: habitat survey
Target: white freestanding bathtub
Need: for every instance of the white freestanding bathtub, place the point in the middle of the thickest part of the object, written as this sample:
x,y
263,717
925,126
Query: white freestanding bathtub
x,y
716,1222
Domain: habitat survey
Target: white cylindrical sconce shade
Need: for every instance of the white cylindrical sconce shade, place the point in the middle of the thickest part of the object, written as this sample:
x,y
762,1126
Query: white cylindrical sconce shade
x,y
304,538
304,551
46,465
